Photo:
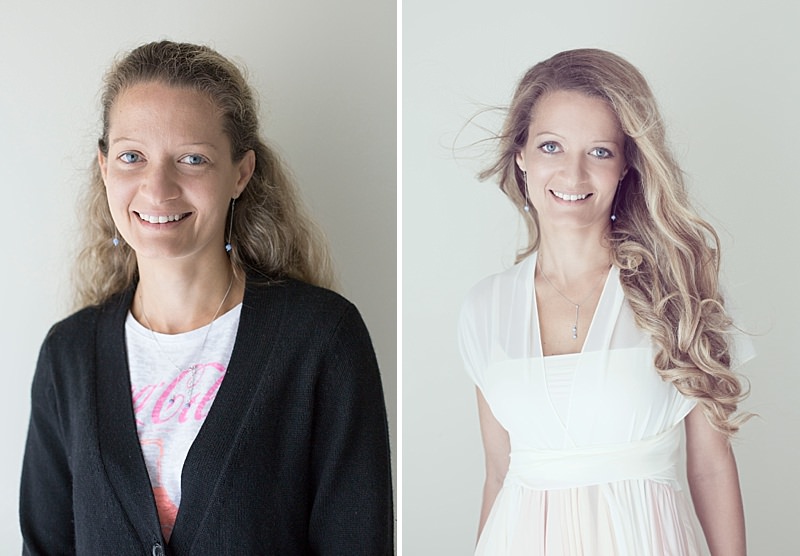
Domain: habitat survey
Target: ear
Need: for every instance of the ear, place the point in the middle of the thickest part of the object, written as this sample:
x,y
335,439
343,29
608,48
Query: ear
x,y
102,161
520,161
245,168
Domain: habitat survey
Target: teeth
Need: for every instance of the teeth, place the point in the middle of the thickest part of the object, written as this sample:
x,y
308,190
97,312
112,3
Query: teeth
x,y
568,197
160,219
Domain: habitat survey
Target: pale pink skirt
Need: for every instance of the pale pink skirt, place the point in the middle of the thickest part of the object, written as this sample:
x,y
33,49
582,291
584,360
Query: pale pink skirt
x,y
624,518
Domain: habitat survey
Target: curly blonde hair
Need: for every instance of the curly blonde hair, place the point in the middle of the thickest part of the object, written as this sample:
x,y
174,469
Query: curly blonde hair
x,y
668,256
271,236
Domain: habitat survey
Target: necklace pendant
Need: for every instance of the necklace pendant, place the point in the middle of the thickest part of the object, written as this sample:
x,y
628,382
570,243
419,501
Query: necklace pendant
x,y
574,331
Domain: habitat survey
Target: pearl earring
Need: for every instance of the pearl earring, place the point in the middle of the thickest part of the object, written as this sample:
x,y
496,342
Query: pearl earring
x,y
228,245
614,206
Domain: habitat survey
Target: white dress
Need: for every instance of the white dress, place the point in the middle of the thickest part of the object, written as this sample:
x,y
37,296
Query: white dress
x,y
598,473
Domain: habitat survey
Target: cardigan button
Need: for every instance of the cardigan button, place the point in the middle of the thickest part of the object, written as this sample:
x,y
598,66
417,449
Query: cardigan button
x,y
158,550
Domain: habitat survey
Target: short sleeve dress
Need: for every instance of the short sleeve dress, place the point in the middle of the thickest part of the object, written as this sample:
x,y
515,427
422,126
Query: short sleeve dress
x,y
594,470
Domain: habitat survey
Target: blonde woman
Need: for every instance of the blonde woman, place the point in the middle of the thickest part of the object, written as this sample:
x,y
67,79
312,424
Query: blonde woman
x,y
607,339
210,396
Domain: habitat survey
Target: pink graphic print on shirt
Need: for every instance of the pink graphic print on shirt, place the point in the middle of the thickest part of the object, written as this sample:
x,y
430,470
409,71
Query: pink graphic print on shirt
x,y
167,510
162,410
170,398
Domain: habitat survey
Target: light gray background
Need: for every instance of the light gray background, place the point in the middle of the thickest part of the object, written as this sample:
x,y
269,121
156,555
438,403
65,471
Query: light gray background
x,y
728,82
326,73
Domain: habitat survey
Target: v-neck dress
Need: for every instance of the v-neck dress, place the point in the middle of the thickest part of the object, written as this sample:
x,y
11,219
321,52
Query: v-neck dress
x,y
598,472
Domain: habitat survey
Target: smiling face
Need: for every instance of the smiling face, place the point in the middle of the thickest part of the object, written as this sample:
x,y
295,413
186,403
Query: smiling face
x,y
169,173
574,159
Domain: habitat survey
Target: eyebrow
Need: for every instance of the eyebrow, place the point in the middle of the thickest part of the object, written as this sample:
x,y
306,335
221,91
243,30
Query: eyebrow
x,y
613,141
120,139
548,133
192,144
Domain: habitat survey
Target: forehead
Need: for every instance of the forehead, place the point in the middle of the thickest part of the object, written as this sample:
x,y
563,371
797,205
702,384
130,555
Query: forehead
x,y
574,112
157,107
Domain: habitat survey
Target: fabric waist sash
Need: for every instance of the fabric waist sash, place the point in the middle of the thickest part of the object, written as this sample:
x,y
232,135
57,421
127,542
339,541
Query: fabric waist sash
x,y
653,458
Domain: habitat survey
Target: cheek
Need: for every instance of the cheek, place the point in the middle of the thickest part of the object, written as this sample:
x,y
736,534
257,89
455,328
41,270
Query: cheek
x,y
610,174
113,193
540,180
118,190
541,171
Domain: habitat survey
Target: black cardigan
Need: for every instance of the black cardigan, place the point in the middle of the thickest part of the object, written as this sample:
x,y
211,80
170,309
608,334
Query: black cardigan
x,y
293,457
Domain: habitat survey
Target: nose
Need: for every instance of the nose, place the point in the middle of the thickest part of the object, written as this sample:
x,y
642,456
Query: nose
x,y
574,169
160,182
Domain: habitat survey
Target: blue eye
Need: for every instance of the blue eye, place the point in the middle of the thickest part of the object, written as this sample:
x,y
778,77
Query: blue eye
x,y
194,159
600,152
130,158
549,147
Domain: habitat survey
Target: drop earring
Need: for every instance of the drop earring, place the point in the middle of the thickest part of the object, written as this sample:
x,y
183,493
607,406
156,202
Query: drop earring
x,y
527,207
115,238
228,245
614,205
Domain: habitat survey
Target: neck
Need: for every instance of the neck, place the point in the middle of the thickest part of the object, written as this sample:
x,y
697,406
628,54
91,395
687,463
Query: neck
x,y
172,298
570,256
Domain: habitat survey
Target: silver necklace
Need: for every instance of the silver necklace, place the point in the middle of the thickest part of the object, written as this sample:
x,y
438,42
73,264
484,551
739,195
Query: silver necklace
x,y
195,366
567,299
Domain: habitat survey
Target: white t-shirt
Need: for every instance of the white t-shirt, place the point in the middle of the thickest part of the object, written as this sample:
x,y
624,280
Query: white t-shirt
x,y
174,381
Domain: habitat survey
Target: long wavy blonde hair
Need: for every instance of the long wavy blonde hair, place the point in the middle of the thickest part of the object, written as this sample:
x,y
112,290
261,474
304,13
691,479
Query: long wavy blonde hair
x,y
272,234
668,256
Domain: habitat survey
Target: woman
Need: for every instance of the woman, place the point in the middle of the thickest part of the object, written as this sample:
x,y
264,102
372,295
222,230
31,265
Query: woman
x,y
607,335
211,397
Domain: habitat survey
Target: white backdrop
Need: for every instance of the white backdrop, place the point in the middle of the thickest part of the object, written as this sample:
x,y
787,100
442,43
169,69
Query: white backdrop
x,y
728,81
326,75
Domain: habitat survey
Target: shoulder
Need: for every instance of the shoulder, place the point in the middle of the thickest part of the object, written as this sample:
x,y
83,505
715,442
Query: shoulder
x,y
478,301
295,297
68,353
80,327
499,288
299,310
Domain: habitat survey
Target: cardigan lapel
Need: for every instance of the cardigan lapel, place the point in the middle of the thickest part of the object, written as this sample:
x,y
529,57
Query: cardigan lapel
x,y
117,435
263,311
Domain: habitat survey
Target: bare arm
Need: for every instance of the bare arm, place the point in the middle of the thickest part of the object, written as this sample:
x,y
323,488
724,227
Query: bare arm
x,y
496,448
714,483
